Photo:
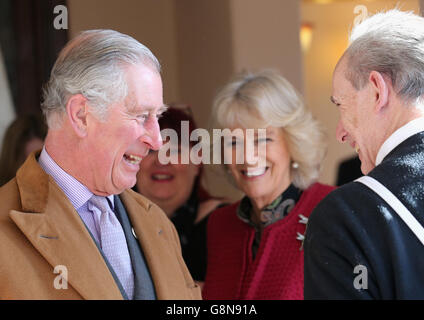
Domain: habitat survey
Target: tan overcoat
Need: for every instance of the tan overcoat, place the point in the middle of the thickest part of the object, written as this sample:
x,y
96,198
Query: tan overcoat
x,y
45,246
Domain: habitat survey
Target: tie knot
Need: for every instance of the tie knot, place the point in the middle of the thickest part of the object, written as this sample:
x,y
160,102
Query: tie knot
x,y
99,202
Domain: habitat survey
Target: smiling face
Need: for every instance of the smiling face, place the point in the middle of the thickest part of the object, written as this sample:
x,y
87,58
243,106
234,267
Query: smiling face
x,y
355,125
168,185
262,184
114,148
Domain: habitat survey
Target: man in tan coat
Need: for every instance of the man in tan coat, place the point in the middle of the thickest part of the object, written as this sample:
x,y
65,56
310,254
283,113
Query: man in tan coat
x,y
69,226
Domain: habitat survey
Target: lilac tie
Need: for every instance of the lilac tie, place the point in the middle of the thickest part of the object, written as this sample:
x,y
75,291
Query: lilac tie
x,y
113,242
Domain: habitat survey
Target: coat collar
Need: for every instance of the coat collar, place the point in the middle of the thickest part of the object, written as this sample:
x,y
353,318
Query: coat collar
x,y
54,228
396,138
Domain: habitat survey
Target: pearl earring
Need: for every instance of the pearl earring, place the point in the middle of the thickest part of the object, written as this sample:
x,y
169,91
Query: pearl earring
x,y
295,165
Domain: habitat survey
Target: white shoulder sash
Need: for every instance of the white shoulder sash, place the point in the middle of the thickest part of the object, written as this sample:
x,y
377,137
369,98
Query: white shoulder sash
x,y
397,206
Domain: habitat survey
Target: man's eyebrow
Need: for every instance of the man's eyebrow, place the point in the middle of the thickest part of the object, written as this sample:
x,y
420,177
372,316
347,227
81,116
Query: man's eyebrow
x,y
139,109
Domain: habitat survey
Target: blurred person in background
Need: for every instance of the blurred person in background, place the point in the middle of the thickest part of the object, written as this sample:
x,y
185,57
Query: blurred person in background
x,y
23,136
255,245
177,189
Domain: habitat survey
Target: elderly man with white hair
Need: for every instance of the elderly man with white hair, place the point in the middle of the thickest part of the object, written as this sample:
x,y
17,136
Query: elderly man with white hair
x,y
366,239
69,226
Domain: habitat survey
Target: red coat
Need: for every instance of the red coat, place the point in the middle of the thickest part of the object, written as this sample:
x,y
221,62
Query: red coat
x,y
277,270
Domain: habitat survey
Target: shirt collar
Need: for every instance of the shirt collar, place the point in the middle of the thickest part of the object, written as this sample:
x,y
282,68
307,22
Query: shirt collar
x,y
413,127
77,193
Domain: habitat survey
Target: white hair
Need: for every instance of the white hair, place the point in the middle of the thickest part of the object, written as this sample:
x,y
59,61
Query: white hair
x,y
391,43
263,99
93,64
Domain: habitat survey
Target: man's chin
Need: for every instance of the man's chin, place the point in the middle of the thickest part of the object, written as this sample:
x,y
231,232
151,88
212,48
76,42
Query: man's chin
x,y
129,185
122,186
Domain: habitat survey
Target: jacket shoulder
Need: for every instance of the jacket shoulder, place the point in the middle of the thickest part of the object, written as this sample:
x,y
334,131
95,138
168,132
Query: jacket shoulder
x,y
225,212
313,195
341,197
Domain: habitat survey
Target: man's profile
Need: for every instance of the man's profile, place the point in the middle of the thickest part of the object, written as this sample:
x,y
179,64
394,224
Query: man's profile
x,y
378,87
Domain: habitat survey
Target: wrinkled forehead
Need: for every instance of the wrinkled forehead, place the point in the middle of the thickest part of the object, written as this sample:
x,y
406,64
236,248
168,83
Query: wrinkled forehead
x,y
339,76
144,85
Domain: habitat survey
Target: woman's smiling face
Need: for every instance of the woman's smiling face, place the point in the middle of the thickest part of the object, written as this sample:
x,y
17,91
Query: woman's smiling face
x,y
269,176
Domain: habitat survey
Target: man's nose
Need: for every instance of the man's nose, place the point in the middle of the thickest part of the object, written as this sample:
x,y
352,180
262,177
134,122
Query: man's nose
x,y
152,136
341,133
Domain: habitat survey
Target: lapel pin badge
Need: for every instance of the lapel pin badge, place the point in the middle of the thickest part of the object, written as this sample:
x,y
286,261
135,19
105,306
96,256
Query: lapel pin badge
x,y
133,232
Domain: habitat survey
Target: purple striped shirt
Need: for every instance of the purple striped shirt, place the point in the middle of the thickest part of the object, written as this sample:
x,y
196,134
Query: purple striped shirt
x,y
77,193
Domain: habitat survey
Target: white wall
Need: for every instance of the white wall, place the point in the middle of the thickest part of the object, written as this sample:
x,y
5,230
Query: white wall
x,y
152,22
266,35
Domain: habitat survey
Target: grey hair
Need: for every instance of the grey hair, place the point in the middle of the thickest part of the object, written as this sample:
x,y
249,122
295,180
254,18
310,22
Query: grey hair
x,y
391,43
265,98
93,64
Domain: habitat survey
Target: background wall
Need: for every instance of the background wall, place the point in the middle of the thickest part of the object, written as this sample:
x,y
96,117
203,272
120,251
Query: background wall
x,y
29,44
150,22
266,35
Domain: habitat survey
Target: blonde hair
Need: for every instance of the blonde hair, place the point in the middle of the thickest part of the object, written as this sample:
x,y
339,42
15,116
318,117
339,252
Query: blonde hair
x,y
263,99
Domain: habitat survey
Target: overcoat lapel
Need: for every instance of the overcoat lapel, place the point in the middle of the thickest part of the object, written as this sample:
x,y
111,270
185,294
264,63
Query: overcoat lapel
x,y
55,229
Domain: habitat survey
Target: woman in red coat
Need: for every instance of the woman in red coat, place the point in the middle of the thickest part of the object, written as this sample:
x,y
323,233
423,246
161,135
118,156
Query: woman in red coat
x,y
255,245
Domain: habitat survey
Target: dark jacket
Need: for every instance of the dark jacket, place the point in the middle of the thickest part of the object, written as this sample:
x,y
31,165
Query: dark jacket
x,y
354,227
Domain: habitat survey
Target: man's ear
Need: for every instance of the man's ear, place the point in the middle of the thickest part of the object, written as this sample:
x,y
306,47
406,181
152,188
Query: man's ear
x,y
77,110
380,90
